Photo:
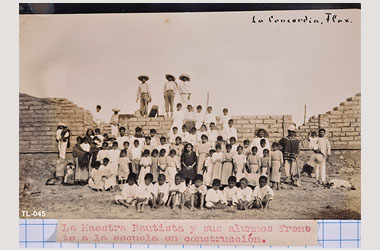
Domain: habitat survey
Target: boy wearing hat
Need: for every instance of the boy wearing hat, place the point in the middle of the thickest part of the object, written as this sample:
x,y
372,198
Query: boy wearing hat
x,y
170,89
184,90
290,150
143,93
324,148
115,122
63,139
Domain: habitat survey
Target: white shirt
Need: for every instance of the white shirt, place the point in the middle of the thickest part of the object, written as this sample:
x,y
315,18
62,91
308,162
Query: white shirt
x,y
146,191
85,147
164,188
215,196
189,116
261,192
170,85
313,143
166,147
120,141
202,189
199,135
245,194
181,187
229,132
114,155
129,191
231,193
59,132
324,146
98,117
103,153
172,136
224,119
136,152
209,118
199,119
183,87
212,135
190,138
178,118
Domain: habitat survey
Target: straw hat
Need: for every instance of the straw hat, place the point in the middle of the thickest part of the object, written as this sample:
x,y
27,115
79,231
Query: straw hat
x,y
184,75
258,129
292,128
116,110
61,124
318,158
169,75
140,77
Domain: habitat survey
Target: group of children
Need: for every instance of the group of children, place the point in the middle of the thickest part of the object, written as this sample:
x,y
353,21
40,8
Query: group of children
x,y
196,195
198,162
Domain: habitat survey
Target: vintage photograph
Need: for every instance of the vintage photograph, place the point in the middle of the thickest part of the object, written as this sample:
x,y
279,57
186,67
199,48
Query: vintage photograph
x,y
190,115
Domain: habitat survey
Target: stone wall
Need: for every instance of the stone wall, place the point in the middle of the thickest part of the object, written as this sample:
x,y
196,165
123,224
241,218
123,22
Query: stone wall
x,y
342,124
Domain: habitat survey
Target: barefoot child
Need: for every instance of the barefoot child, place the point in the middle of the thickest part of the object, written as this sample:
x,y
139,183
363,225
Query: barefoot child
x,y
124,166
69,176
227,165
253,162
244,195
128,192
276,162
136,156
262,195
162,191
217,159
231,192
189,118
176,192
154,168
162,162
239,161
197,191
207,169
265,163
201,150
173,167
145,164
146,193
214,197
108,176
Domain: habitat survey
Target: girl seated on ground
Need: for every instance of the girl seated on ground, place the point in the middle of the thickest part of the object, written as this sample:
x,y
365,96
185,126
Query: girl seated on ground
x,y
214,197
146,193
129,192
96,181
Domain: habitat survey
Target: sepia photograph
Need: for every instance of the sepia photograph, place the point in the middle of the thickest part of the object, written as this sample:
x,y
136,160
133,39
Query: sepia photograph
x,y
212,115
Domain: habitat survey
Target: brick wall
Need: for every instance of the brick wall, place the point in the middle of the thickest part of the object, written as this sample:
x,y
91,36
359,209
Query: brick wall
x,y
342,124
245,125
39,118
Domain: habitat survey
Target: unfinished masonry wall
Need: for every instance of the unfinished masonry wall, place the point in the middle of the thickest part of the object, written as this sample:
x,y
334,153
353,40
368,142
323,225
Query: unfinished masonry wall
x,y
39,118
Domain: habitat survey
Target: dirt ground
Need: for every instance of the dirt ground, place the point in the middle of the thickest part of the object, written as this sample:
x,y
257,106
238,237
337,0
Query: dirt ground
x,y
309,201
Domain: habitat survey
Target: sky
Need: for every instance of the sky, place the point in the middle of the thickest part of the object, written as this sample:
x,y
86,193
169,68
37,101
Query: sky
x,y
250,68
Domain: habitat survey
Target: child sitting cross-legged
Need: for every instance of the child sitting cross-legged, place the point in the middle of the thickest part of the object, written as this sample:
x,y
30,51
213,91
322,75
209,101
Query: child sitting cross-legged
x,y
162,191
197,191
231,192
128,193
244,195
262,195
214,197
146,193
176,192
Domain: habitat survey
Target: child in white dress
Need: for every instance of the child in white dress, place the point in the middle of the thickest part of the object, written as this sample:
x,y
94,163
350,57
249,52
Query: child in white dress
x,y
145,165
124,165
173,167
239,161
